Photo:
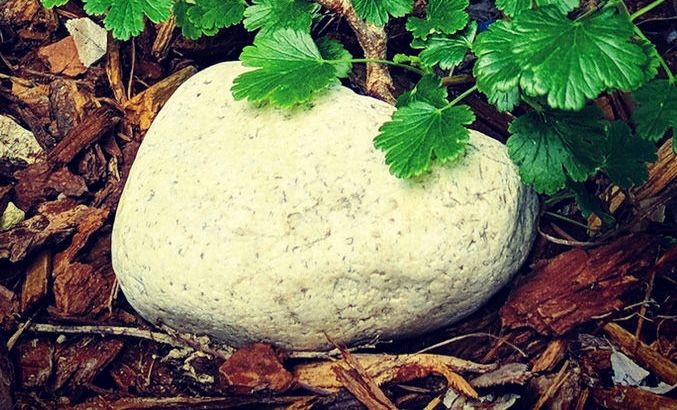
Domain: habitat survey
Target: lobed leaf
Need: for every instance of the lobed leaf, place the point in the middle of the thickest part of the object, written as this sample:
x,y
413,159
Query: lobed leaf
x,y
627,156
442,17
513,7
549,146
420,132
656,109
125,18
566,61
53,3
289,68
272,15
376,12
448,52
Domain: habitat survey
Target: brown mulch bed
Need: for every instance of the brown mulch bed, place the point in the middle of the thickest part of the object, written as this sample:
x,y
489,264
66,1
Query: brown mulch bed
x,y
586,309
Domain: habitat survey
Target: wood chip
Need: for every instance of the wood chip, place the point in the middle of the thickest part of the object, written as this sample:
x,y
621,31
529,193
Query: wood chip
x,y
39,182
632,398
355,379
662,366
142,109
35,362
35,285
9,309
81,289
94,125
255,368
79,362
40,230
62,58
552,355
578,285
511,373
383,368
68,103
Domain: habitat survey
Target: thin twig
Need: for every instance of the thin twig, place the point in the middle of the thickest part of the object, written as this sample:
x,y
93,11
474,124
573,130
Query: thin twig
x,y
478,334
107,330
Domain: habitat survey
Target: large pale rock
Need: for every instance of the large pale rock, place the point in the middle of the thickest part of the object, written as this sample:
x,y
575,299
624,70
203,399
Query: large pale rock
x,y
256,224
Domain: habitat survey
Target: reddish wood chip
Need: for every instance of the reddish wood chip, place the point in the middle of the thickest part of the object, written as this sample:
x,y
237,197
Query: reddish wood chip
x,y
37,280
82,289
62,58
625,398
9,309
577,285
80,362
35,362
256,367
39,181
40,230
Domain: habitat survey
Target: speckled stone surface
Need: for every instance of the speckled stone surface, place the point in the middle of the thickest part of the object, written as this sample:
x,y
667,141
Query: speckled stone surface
x,y
252,224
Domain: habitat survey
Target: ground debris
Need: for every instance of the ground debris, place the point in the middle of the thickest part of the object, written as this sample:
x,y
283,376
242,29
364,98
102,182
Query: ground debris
x,y
578,285
254,368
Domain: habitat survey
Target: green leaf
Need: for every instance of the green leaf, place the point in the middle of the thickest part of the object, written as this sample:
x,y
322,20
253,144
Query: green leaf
x,y
429,89
53,3
514,7
289,69
567,61
272,15
212,15
448,52
331,49
590,203
188,29
419,133
656,109
548,146
627,156
124,18
442,17
376,11
496,69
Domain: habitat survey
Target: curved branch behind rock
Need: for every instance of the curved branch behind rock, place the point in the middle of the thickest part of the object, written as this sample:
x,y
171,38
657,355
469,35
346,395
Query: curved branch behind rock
x,y
373,41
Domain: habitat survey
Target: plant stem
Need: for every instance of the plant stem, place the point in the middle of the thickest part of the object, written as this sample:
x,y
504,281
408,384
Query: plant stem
x,y
646,9
661,61
641,35
375,61
461,96
565,219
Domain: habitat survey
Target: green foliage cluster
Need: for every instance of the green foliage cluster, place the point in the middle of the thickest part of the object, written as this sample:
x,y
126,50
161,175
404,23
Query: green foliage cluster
x,y
548,59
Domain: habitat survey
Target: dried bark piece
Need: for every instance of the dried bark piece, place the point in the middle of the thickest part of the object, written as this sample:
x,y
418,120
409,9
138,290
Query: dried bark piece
x,y
142,109
254,368
6,378
80,362
35,362
552,355
82,289
39,182
632,398
62,58
67,104
114,71
38,231
9,309
511,373
383,368
35,285
29,19
140,369
355,379
113,401
662,366
577,285
94,125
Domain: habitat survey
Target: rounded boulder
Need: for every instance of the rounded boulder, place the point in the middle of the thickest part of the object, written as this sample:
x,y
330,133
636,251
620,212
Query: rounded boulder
x,y
251,223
